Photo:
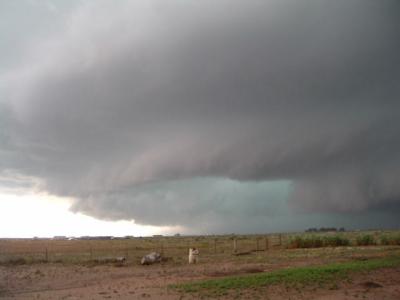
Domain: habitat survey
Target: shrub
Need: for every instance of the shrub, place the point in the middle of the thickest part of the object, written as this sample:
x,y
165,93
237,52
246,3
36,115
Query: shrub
x,y
365,240
336,241
306,242
317,242
385,240
390,240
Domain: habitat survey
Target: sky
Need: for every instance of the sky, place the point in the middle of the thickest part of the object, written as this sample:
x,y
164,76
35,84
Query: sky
x,y
140,117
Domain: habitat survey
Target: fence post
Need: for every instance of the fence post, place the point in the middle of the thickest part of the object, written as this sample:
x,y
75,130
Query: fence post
x,y
91,252
266,243
46,255
257,244
234,245
280,239
215,245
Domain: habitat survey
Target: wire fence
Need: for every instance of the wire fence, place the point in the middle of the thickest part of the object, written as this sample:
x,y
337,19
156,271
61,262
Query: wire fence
x,y
133,249
172,248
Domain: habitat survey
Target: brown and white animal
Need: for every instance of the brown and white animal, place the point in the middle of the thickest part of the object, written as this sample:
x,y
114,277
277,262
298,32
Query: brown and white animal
x,y
151,258
193,255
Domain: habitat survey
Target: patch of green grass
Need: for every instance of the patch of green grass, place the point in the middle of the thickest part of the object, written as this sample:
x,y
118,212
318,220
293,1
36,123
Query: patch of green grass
x,y
292,276
336,241
318,241
365,240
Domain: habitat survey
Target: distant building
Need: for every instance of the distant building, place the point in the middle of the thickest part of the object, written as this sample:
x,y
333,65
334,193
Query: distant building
x,y
59,237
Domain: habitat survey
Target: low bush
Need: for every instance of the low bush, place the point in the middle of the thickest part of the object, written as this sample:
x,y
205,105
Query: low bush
x,y
336,241
317,242
365,240
306,242
390,240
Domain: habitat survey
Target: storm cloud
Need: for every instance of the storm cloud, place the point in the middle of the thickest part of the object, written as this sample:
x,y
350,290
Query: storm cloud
x,y
185,112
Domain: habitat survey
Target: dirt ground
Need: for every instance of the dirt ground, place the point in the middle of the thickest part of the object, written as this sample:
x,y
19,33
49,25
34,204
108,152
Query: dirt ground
x,y
376,285
58,281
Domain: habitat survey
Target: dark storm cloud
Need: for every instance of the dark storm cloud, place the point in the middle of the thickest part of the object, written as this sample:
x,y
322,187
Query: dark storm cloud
x,y
136,96
198,203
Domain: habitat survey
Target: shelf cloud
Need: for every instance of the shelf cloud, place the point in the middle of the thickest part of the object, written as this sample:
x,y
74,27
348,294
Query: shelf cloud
x,y
180,112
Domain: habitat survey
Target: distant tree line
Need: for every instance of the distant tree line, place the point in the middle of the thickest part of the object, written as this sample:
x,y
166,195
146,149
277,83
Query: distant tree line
x,y
326,229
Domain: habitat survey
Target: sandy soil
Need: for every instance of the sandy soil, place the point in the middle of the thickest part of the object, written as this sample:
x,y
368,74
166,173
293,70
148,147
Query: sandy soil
x,y
58,281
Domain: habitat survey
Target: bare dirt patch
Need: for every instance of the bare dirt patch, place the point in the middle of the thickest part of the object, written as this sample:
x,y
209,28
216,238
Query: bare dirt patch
x,y
232,271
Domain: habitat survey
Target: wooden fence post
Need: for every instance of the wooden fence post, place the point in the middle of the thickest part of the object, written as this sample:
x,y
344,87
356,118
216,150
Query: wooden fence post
x,y
234,245
266,243
215,246
280,239
257,244
46,255
91,252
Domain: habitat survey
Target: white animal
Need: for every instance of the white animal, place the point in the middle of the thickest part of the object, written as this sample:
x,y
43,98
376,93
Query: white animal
x,y
120,259
193,255
151,258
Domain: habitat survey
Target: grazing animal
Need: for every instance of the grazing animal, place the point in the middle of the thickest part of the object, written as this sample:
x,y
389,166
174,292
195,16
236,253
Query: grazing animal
x,y
120,259
193,255
151,258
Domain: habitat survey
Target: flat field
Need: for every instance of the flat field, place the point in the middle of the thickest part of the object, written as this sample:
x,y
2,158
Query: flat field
x,y
349,265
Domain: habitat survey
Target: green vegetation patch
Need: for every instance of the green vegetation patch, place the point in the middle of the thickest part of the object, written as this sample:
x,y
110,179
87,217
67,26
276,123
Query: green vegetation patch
x,y
292,276
393,239
318,241
365,240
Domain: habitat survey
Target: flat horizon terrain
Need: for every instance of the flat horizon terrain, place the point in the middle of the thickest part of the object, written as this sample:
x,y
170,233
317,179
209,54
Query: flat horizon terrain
x,y
295,266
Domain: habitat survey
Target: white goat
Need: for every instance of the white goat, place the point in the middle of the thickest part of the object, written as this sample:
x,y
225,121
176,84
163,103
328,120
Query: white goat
x,y
193,255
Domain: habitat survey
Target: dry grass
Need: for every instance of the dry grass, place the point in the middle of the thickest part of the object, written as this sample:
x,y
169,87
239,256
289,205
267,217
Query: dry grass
x,y
212,248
